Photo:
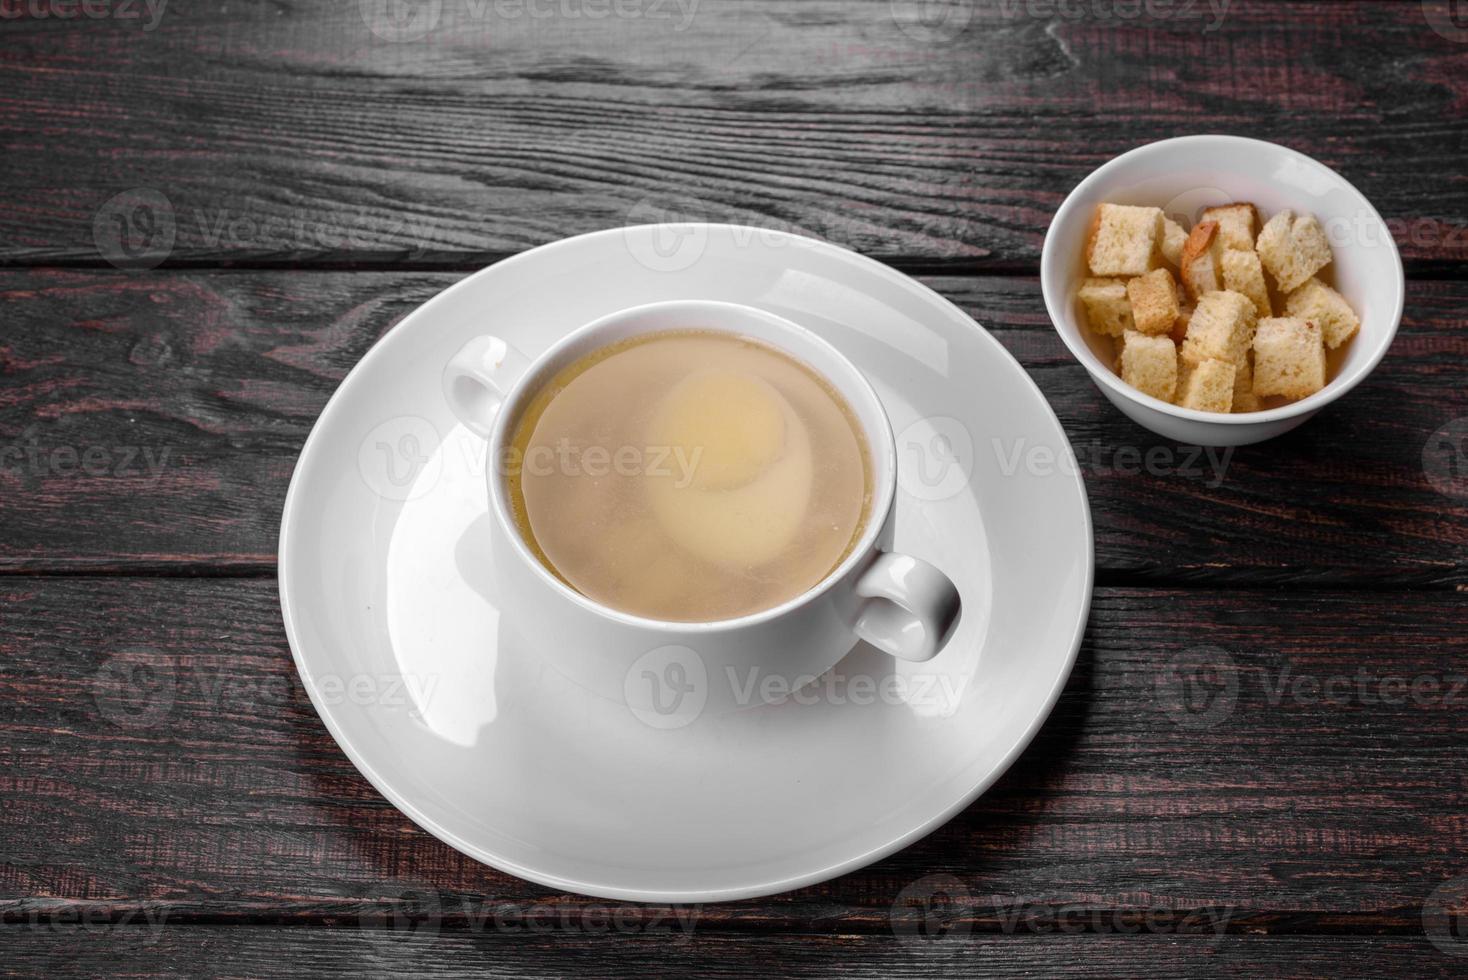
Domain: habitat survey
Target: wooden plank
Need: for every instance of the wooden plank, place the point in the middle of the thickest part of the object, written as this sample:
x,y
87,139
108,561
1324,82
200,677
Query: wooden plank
x,y
222,951
151,422
1312,783
295,134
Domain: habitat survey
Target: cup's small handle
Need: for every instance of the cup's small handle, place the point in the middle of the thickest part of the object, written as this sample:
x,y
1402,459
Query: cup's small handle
x,y
478,378
911,607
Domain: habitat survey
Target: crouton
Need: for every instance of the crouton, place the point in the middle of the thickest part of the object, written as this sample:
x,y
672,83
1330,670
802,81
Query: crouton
x,y
1326,308
1244,273
1207,386
1199,262
1244,398
1293,248
1153,299
1180,325
1173,237
1238,225
1107,309
1289,358
1222,327
1149,364
1123,240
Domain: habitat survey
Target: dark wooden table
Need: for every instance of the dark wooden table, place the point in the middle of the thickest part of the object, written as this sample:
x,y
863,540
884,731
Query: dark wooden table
x,y
1290,804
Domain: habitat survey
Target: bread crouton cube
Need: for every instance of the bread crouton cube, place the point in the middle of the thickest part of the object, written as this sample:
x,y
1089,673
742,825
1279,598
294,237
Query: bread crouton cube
x,y
1222,327
1293,248
1180,325
1108,310
1244,273
1326,308
1199,262
1154,301
1289,358
1238,225
1149,364
1123,240
1207,386
1173,237
1244,398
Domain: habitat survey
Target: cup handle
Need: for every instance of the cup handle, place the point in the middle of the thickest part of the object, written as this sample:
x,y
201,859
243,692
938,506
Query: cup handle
x,y
478,378
911,607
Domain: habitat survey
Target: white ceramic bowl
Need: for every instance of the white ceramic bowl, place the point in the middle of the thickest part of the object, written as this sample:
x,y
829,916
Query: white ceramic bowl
x,y
1183,176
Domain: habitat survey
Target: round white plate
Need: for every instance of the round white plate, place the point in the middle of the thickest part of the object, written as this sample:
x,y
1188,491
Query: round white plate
x,y
438,696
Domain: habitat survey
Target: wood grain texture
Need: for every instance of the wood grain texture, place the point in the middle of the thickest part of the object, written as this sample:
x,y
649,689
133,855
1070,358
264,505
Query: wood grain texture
x,y
151,423
223,952
289,133
1294,786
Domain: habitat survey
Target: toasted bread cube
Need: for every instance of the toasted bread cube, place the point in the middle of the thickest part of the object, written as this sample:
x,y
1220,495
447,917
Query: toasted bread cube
x,y
1173,237
1222,328
1149,364
1108,310
1154,301
1244,273
1328,309
1207,386
1289,358
1244,398
1238,225
1180,325
1123,240
1199,262
1293,248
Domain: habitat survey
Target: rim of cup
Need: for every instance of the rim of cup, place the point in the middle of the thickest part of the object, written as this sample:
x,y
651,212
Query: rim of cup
x,y
1058,279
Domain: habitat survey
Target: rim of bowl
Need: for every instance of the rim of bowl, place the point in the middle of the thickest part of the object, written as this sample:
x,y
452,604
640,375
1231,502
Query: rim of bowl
x,y
1333,389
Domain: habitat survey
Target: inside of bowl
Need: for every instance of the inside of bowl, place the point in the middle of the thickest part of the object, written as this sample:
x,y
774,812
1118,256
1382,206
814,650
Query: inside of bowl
x,y
1186,179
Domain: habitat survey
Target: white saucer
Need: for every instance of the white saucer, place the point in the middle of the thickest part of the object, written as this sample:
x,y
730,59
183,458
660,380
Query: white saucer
x,y
440,700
